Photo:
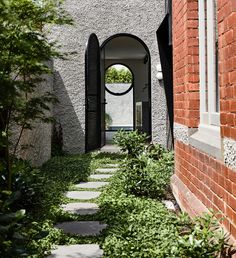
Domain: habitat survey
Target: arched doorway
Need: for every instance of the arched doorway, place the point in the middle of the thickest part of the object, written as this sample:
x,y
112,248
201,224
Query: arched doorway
x,y
132,52
119,95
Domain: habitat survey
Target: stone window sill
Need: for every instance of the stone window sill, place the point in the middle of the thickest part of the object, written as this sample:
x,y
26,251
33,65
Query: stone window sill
x,y
208,140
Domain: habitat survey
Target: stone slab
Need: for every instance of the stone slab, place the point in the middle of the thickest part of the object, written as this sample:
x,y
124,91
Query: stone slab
x,y
77,251
82,228
106,170
81,208
92,185
112,165
110,148
82,195
101,176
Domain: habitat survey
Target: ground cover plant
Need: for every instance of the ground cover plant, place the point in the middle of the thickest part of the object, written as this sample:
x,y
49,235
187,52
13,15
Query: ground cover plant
x,y
141,225
29,212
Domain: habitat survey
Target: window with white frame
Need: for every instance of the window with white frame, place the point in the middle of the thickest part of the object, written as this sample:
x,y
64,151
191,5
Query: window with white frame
x,y
208,56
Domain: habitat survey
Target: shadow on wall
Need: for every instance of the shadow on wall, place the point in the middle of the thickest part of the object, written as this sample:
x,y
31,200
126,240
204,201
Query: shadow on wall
x,y
169,135
65,114
35,144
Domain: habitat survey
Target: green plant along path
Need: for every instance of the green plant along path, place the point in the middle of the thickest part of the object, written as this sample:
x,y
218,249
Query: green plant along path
x,y
139,224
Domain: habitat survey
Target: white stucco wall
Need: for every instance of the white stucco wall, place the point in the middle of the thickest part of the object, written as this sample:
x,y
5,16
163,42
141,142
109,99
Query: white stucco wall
x,y
105,18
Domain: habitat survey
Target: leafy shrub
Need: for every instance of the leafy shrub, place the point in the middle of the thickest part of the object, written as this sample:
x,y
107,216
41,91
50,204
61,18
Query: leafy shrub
x,y
16,234
144,177
11,240
131,142
204,238
155,151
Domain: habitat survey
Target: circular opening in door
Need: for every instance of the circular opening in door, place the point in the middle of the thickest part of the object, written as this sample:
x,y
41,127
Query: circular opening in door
x,y
118,79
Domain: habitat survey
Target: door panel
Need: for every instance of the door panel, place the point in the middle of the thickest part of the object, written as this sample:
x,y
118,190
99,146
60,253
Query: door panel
x,y
103,99
93,94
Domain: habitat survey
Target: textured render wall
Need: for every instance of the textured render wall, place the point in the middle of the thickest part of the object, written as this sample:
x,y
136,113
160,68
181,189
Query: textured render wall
x,y
38,139
105,18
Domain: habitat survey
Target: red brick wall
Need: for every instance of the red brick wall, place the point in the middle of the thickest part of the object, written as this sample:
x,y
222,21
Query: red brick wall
x,y
227,66
186,62
207,179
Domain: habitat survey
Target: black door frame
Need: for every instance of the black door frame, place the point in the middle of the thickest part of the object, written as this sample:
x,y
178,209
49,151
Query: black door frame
x,y
164,39
87,149
149,71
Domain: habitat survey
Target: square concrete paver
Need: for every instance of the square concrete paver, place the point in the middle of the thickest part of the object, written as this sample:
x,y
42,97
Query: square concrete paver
x,y
112,165
110,148
101,176
106,170
92,185
82,228
81,208
77,251
82,195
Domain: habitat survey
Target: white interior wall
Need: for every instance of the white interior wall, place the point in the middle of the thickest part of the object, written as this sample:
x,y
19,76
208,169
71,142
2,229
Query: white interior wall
x,y
140,73
120,108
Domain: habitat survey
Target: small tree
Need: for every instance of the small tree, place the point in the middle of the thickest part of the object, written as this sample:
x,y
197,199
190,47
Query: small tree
x,y
24,53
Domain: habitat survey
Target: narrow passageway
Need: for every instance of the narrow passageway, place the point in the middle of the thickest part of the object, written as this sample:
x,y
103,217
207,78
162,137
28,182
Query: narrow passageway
x,y
82,201
125,208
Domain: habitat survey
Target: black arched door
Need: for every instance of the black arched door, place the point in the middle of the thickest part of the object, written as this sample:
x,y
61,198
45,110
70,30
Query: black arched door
x,y
93,94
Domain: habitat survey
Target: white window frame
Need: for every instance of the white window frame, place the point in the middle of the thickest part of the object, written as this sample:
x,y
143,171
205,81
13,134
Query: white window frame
x,y
207,138
208,114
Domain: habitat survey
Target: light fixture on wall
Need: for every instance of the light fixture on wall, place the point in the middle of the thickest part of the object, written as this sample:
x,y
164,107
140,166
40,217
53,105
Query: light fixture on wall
x,y
159,74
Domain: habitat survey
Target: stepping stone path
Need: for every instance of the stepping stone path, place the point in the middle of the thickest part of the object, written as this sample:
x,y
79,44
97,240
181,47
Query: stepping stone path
x,y
84,228
82,208
106,170
100,176
112,165
83,195
92,185
77,251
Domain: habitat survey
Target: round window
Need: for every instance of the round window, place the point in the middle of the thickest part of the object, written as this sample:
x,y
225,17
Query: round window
x,y
118,80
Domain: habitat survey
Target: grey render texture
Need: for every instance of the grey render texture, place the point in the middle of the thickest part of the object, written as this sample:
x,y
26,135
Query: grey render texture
x,y
38,139
105,18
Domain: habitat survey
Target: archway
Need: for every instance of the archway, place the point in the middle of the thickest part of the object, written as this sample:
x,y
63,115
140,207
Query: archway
x,y
131,52
119,95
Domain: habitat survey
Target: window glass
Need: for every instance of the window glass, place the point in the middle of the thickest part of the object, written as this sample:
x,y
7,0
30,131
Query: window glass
x,y
118,80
